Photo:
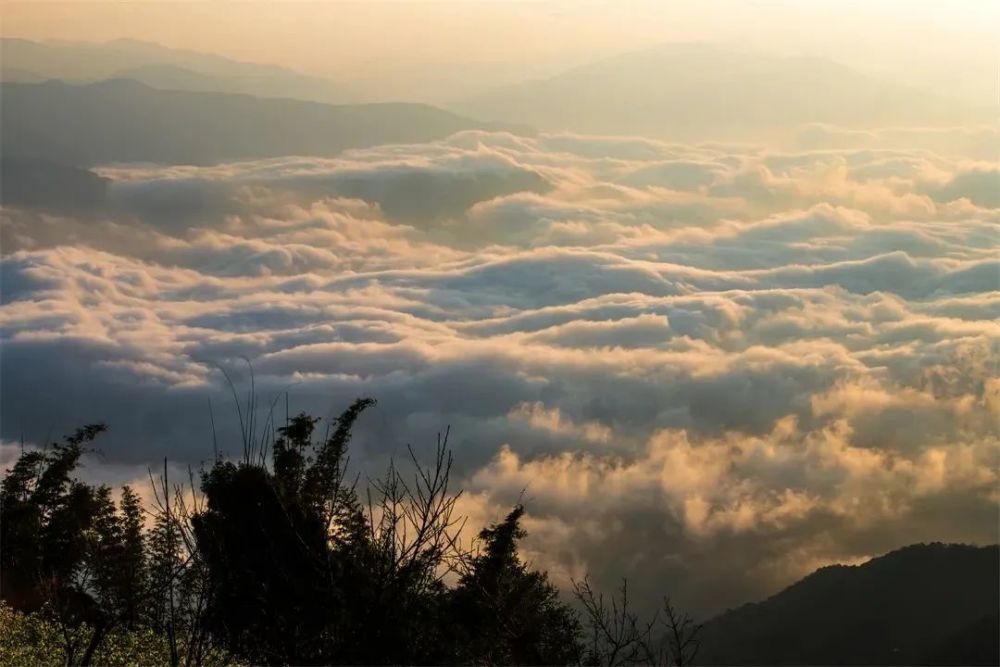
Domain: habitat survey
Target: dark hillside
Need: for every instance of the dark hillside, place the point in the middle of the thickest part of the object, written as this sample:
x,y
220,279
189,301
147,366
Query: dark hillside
x,y
125,121
923,604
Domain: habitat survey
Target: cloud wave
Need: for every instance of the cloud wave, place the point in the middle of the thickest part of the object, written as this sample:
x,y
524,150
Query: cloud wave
x,y
716,366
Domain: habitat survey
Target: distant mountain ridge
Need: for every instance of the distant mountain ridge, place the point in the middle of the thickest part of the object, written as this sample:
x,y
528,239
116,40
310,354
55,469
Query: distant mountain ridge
x,y
682,90
45,185
922,604
126,121
160,67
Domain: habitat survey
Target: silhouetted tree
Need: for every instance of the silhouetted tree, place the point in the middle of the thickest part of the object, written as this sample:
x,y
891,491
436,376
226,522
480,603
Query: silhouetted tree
x,y
118,556
45,515
617,636
614,633
270,543
133,558
302,571
507,613
408,543
681,635
280,560
178,582
62,546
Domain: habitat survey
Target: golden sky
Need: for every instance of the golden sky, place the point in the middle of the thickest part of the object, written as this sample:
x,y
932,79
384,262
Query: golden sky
x,y
340,37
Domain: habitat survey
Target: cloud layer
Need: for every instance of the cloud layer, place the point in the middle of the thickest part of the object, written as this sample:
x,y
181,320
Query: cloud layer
x,y
713,367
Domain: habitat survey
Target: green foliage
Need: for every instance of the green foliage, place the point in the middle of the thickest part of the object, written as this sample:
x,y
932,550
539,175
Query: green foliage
x,y
29,640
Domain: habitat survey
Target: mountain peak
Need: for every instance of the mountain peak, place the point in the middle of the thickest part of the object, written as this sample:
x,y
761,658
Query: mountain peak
x,y
709,91
915,605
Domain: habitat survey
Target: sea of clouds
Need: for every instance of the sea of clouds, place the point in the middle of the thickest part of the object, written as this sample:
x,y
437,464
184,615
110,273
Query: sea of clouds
x,y
709,368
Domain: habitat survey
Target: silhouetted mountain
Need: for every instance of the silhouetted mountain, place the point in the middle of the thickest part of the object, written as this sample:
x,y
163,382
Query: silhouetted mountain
x,y
17,75
172,77
416,196
35,183
923,604
162,67
125,121
695,90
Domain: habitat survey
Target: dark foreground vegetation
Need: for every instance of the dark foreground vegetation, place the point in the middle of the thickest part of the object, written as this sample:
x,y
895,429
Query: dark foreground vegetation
x,y
283,557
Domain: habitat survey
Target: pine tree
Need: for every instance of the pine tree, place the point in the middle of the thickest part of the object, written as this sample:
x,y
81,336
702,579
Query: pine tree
x,y
133,557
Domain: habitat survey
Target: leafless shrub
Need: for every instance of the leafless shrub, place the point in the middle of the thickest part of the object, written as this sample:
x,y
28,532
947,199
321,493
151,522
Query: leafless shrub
x,y
617,636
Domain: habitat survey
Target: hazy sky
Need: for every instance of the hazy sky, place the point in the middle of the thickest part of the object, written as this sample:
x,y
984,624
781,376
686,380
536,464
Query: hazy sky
x,y
916,41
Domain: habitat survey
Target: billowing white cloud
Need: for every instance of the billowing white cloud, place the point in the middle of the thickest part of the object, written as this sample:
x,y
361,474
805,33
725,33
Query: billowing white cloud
x,y
713,366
